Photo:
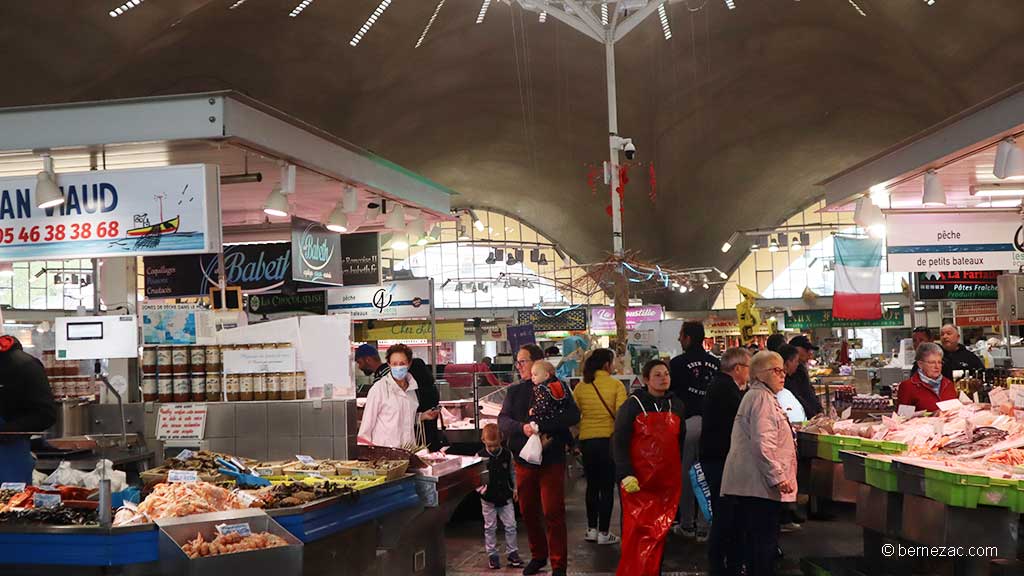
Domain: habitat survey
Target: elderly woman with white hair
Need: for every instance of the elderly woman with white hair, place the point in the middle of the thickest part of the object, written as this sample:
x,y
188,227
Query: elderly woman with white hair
x,y
927,386
760,470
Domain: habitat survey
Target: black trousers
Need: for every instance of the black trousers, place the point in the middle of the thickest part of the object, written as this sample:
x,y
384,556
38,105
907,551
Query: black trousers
x,y
725,544
599,468
760,521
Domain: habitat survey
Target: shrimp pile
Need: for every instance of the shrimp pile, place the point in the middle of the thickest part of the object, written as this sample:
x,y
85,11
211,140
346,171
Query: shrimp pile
x,y
181,499
230,544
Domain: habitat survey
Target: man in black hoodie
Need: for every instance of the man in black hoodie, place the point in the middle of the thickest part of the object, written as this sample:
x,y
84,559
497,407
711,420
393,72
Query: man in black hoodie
x,y
26,405
799,383
692,372
956,356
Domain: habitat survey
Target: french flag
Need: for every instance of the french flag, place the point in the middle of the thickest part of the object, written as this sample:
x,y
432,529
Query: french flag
x,y
858,279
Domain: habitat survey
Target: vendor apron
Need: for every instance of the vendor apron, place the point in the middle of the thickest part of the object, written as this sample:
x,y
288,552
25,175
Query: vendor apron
x,y
647,515
16,462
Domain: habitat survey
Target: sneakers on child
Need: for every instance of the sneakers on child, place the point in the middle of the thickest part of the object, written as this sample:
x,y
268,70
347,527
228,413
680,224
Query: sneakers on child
x,y
514,561
591,535
494,562
607,538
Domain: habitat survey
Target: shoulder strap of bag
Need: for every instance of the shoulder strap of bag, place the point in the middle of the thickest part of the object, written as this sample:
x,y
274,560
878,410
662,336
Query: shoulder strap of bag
x,y
601,398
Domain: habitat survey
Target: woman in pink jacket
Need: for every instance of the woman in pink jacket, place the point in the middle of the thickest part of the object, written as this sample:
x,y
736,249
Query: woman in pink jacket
x,y
760,470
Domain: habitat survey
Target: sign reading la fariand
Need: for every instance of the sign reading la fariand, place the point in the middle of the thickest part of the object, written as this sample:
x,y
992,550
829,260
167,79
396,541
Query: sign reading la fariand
x,y
316,253
166,210
963,241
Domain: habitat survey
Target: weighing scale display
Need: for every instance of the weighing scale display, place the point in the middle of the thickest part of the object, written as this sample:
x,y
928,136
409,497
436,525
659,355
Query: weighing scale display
x,y
85,331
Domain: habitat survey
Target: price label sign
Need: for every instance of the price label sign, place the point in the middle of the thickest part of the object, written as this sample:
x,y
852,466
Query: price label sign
x,y
906,410
43,500
305,459
17,486
240,529
185,454
947,405
246,498
998,397
183,476
181,422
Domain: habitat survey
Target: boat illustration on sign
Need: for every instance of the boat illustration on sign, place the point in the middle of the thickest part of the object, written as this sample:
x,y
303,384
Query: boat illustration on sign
x,y
166,227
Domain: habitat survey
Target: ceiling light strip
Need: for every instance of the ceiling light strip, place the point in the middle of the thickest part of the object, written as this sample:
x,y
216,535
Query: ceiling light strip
x,y
604,14
483,11
237,4
430,23
369,22
730,4
930,2
125,7
663,15
543,17
857,8
300,7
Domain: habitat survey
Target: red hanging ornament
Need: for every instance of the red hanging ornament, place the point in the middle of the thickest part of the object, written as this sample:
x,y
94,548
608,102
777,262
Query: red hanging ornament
x,y
653,192
592,179
623,180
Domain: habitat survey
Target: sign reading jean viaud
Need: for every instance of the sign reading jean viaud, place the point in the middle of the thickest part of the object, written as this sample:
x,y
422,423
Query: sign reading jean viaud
x,y
316,253
254,267
108,213
963,241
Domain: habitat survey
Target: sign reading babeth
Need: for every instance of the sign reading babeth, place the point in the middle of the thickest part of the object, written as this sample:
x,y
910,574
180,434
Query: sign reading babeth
x,y
316,253
964,285
109,213
253,267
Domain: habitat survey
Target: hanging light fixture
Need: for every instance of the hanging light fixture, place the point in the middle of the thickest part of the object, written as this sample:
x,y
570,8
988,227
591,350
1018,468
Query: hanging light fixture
x,y
730,242
395,220
934,194
867,215
400,242
490,260
277,203
773,245
511,260
1009,160
48,193
796,245
416,232
463,233
477,222
337,220
543,260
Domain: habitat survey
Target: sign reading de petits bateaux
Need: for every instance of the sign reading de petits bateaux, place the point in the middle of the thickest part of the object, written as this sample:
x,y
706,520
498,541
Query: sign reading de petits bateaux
x,y
253,267
360,259
316,253
313,302
962,285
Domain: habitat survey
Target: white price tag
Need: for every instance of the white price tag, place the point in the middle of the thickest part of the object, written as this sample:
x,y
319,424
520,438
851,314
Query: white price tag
x,y
315,474
182,476
847,412
246,498
305,459
19,486
964,398
947,405
906,410
43,500
363,473
240,529
998,397
185,454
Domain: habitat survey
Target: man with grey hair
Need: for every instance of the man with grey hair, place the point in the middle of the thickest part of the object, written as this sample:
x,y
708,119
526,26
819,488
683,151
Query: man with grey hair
x,y
926,387
956,356
720,407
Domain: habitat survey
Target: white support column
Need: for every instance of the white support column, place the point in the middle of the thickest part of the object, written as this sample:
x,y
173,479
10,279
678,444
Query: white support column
x,y
613,130
117,285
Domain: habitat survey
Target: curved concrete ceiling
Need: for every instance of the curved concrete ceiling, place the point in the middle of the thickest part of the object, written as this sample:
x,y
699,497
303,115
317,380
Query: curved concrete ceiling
x,y
742,111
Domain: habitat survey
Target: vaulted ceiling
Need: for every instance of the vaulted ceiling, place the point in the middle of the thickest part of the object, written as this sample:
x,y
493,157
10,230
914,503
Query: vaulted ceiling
x,y
742,111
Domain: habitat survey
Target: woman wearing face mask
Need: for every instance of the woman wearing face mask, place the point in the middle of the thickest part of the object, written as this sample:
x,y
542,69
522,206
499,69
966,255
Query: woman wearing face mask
x,y
389,418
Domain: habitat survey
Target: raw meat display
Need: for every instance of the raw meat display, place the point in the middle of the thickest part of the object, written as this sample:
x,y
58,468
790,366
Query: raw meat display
x,y
230,544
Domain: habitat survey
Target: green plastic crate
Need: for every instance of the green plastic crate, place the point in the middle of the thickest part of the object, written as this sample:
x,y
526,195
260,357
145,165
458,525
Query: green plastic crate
x,y
830,446
881,474
953,489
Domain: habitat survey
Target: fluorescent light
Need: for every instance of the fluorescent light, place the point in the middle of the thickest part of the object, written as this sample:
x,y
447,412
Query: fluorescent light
x,y
370,21
919,308
543,17
857,8
996,191
124,8
730,242
934,194
999,204
431,23
483,11
300,7
337,220
604,13
277,202
663,15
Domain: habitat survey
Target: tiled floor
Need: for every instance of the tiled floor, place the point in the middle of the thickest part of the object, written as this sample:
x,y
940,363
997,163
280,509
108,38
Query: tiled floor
x,y
466,556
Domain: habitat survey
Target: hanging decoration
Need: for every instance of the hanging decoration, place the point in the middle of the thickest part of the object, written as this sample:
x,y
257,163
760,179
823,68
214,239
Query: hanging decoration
x,y
592,175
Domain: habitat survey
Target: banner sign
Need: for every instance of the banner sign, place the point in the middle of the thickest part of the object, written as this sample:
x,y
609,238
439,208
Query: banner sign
x,y
391,301
962,241
549,320
258,360
360,259
108,213
255,268
447,331
519,336
979,314
957,285
602,318
721,327
316,253
806,319
313,302
181,422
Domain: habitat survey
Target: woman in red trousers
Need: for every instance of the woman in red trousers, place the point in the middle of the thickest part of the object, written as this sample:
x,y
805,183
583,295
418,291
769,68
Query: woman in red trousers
x,y
648,444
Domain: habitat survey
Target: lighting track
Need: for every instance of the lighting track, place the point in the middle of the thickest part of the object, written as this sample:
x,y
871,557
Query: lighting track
x,y
370,21
430,23
125,7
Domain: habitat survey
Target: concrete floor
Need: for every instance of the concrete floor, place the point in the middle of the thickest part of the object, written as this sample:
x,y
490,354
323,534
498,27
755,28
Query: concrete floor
x,y
466,557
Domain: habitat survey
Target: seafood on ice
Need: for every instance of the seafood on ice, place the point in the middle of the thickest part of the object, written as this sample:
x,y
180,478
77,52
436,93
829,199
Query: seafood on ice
x,y
231,543
180,499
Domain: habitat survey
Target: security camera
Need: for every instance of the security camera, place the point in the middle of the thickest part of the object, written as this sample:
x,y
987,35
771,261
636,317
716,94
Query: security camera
x,y
629,149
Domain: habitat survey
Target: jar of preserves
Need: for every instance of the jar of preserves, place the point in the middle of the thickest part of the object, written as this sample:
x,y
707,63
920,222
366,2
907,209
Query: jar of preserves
x,y
245,387
287,383
273,386
150,391
213,390
213,359
197,359
149,360
259,386
182,388
231,387
198,386
165,387
57,386
300,385
179,360
164,360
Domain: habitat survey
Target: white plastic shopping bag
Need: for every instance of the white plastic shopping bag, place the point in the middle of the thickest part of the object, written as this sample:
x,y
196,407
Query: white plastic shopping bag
x,y
533,450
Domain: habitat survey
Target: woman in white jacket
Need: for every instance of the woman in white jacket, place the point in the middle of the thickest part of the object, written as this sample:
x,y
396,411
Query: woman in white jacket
x,y
389,418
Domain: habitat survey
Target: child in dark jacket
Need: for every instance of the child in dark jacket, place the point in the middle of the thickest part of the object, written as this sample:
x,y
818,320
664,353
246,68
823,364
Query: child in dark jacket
x,y
496,498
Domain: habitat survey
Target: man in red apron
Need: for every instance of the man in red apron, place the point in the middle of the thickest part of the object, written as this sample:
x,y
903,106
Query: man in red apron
x,y
26,405
648,443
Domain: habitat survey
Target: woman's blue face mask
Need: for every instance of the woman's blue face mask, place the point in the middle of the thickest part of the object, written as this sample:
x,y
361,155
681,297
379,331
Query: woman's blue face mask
x,y
400,372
